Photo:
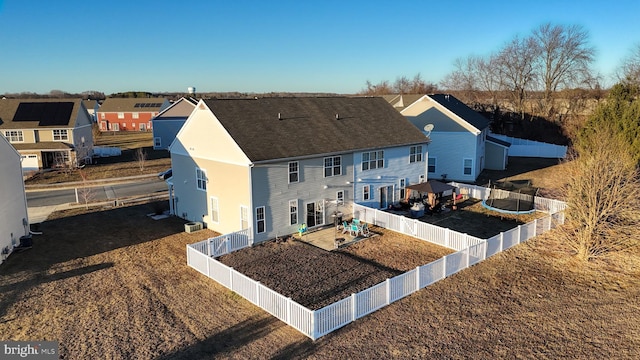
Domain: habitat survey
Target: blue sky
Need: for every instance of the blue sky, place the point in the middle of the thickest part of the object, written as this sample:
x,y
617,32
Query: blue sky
x,y
261,46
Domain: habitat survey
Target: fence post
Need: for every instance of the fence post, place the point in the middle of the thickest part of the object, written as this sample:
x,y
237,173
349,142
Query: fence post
x,y
388,286
209,247
208,267
231,278
417,278
258,293
188,256
535,227
353,307
444,267
468,251
501,241
519,234
288,311
226,242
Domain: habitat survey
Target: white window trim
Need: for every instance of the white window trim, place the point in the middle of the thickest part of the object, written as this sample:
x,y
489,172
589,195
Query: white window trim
x,y
114,126
293,204
340,197
244,217
435,164
135,115
263,220
60,136
201,178
369,161
470,167
120,115
366,192
19,134
289,172
332,167
157,141
215,209
415,152
402,187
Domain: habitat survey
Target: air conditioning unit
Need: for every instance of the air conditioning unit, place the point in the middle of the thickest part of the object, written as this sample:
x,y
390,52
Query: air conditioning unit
x,y
192,226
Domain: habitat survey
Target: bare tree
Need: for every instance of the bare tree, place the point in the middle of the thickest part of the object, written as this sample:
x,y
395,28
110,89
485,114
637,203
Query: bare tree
x,y
516,67
382,88
565,58
402,85
141,158
629,69
85,192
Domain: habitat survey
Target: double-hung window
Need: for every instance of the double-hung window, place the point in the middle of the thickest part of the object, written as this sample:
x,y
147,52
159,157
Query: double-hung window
x,y
431,165
60,135
260,220
401,185
201,179
340,197
332,166
366,192
14,135
468,166
293,172
293,212
372,160
215,211
415,154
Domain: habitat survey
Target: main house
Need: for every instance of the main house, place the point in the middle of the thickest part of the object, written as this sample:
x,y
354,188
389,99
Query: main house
x,y
48,133
129,114
167,124
272,164
460,143
14,221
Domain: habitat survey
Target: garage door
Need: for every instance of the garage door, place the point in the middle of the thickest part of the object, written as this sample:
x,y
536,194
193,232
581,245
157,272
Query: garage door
x,y
30,162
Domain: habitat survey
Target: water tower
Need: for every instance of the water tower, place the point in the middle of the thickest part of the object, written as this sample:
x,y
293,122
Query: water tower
x,y
191,90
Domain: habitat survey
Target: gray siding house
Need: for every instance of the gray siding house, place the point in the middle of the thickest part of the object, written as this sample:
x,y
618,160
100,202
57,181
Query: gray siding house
x,y
272,164
169,121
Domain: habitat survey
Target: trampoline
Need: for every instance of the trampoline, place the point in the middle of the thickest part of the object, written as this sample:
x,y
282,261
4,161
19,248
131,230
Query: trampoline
x,y
511,198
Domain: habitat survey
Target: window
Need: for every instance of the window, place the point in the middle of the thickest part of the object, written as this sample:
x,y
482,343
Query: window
x,y
372,160
215,212
293,212
431,165
340,197
468,166
401,186
244,217
59,135
124,125
260,223
120,115
366,192
133,125
142,127
415,154
157,142
201,179
14,135
332,166
293,172
135,115
149,125
115,127
421,179
102,115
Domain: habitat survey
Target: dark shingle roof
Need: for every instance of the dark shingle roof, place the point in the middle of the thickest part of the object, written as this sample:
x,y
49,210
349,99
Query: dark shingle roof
x,y
9,107
129,105
308,125
463,111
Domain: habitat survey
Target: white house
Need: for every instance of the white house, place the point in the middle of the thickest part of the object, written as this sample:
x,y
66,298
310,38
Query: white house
x,y
272,164
169,121
14,221
460,147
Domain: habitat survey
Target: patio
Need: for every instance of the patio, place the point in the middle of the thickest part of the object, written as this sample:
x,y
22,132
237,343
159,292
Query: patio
x,y
330,238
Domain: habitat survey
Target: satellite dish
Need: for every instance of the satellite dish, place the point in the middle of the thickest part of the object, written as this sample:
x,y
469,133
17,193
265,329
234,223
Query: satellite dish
x,y
428,128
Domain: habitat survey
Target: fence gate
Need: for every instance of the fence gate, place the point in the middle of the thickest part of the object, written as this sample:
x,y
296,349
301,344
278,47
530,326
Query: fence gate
x,y
409,226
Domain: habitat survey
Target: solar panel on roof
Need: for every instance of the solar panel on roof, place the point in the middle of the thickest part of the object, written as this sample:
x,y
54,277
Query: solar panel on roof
x,y
46,113
137,105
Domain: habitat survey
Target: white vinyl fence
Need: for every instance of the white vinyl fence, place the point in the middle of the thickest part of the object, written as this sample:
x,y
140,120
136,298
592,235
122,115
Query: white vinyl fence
x,y
530,148
317,323
106,151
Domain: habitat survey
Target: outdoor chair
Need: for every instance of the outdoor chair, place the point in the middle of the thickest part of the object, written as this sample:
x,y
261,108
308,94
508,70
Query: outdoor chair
x,y
354,230
345,227
365,230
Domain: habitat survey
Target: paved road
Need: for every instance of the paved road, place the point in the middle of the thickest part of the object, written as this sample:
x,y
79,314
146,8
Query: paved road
x,y
98,193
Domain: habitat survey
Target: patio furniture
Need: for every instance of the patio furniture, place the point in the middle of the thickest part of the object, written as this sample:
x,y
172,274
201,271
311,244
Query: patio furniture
x,y
302,229
354,230
345,227
364,230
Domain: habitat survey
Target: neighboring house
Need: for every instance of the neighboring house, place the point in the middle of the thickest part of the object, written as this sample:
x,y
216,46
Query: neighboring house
x,y
14,221
48,133
129,114
272,164
460,147
92,107
167,124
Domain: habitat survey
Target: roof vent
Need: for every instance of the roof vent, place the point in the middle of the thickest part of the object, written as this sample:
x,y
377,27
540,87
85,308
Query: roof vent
x,y
279,116
337,117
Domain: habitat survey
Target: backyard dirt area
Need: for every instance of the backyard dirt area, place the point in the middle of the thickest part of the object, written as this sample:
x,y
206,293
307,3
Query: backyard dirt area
x,y
114,284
